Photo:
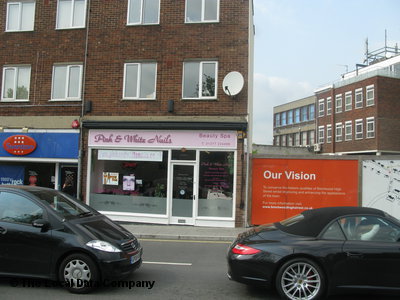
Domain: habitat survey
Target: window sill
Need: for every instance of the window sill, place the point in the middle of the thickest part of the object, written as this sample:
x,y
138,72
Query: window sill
x,y
199,99
12,31
65,100
202,22
13,101
138,99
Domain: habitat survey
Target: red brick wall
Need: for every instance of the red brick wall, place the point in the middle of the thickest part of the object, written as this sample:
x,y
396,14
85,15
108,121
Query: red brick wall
x,y
111,43
387,120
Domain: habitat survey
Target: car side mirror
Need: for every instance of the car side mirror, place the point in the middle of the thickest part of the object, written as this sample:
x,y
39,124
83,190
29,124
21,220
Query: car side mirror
x,y
42,224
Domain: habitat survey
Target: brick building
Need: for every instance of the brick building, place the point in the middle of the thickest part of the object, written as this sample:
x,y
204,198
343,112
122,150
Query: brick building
x,y
126,98
359,114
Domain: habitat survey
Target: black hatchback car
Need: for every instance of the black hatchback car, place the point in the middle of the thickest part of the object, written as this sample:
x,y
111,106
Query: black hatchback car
x,y
319,252
47,234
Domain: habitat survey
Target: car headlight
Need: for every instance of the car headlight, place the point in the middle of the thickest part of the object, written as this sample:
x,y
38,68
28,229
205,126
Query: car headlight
x,y
103,246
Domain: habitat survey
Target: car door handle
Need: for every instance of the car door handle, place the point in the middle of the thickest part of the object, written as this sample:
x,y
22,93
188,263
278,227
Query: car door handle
x,y
3,230
354,254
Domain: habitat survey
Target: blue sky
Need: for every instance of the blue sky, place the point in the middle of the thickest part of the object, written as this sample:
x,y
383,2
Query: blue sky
x,y
301,45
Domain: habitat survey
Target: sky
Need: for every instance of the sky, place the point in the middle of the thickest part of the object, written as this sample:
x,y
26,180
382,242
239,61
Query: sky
x,y
302,45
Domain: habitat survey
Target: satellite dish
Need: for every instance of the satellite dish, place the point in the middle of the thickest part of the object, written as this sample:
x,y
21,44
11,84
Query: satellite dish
x,y
233,83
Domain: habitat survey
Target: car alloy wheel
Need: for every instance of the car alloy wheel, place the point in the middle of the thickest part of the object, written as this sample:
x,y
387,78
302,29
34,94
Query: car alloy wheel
x,y
300,279
79,273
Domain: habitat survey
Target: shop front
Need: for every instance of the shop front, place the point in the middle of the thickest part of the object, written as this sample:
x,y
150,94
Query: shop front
x,y
47,158
165,177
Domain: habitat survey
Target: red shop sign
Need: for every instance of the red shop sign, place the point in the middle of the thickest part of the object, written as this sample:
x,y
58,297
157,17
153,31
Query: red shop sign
x,y
19,145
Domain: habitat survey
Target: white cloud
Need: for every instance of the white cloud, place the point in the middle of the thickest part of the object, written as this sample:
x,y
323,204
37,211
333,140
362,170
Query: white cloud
x,y
270,92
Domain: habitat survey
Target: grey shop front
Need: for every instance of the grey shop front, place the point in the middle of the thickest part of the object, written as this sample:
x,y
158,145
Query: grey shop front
x,y
164,176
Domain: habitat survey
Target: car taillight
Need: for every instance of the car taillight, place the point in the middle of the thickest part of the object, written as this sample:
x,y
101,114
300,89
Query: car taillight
x,y
244,250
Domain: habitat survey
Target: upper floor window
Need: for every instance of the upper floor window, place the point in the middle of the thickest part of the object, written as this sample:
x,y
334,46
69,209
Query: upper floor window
x,y
67,82
198,11
370,124
290,117
311,111
16,82
348,101
277,120
20,15
328,106
312,137
304,114
338,132
143,12
304,138
140,81
358,129
297,115
348,134
321,134
358,103
283,118
338,103
321,107
329,133
290,140
71,14
283,140
200,80
297,139
370,94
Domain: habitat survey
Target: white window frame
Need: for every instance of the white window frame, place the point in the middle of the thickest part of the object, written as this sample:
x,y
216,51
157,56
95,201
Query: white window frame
x,y
20,15
321,107
321,134
338,103
348,101
139,82
67,77
142,14
370,133
358,98
339,132
348,131
359,124
15,80
202,20
370,100
329,133
328,106
200,81
71,17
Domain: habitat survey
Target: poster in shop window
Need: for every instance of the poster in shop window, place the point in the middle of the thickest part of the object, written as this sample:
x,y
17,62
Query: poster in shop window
x,y
282,188
110,178
12,175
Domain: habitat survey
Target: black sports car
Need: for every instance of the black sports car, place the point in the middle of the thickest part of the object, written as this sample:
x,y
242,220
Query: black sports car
x,y
319,252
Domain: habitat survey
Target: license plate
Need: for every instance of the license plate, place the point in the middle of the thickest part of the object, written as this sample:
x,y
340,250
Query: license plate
x,y
135,258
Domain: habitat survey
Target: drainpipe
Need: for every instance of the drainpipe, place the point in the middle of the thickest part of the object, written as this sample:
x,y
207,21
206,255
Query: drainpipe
x,y
79,179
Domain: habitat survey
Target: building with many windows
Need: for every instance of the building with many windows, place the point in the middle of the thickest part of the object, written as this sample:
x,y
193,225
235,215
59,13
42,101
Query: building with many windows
x,y
359,114
125,99
294,123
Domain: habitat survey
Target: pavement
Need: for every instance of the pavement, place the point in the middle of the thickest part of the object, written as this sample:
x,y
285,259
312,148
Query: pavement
x,y
182,232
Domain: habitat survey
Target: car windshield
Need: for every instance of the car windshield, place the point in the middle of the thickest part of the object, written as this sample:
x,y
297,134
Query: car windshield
x,y
64,206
